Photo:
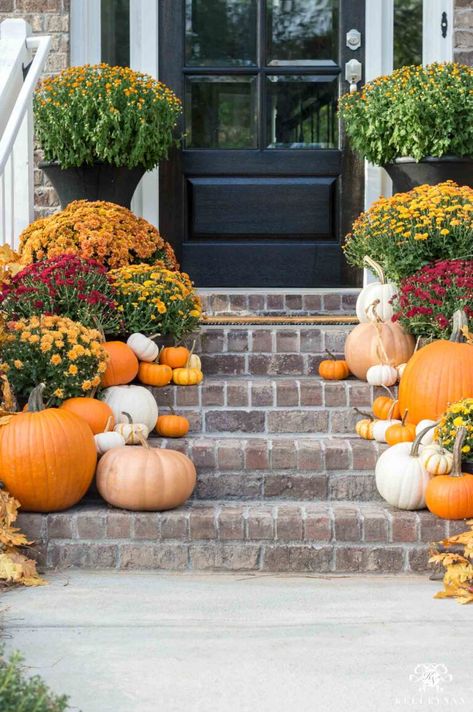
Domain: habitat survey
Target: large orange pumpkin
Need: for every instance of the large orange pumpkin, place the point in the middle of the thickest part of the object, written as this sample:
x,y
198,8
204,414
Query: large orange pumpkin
x,y
95,412
438,374
122,365
451,496
143,478
47,456
377,342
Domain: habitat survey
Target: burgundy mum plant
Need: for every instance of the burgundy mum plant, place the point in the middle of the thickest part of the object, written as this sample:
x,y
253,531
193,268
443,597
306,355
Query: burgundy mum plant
x,y
67,286
427,299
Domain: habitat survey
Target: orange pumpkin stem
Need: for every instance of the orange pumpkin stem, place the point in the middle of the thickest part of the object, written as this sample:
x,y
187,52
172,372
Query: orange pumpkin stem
x,y
35,401
108,425
457,453
143,442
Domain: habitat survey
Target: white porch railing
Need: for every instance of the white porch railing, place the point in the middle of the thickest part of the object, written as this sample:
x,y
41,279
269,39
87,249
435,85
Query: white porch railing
x,y
20,71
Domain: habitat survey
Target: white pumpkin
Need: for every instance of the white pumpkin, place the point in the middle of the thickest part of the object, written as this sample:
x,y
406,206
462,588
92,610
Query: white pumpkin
x,y
143,347
428,437
436,460
107,441
194,362
132,433
401,478
381,374
135,400
380,427
380,291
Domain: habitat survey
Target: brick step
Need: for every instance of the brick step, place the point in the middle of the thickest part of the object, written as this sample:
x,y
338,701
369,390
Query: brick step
x,y
275,302
269,404
268,350
226,536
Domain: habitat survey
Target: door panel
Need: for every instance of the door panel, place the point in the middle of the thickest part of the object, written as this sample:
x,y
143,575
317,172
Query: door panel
x,y
263,175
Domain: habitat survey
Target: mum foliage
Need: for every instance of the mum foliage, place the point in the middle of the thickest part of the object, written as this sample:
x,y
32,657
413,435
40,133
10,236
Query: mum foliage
x,y
151,299
415,111
458,415
407,231
427,300
101,231
63,354
67,286
102,114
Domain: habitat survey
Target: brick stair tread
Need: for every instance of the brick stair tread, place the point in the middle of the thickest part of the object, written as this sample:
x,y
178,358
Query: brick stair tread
x,y
343,537
220,301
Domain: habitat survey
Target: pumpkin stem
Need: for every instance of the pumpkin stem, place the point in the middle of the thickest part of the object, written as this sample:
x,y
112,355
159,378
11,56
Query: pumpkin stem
x,y
416,444
363,413
143,442
99,328
457,453
154,336
375,267
374,312
128,417
330,355
35,401
108,426
190,354
403,419
391,410
390,393
459,321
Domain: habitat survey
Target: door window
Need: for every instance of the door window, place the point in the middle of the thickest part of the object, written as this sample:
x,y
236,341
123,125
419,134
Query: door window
x,y
407,33
302,30
115,32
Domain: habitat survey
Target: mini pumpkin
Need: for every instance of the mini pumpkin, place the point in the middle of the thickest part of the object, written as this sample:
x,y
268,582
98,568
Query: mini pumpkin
x,y
381,427
132,433
144,348
436,459
381,374
187,376
174,356
95,412
401,432
380,293
108,439
138,401
333,369
155,374
122,365
172,425
386,407
364,427
451,496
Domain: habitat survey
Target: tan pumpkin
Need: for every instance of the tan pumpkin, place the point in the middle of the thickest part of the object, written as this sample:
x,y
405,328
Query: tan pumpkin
x,y
377,342
145,479
47,456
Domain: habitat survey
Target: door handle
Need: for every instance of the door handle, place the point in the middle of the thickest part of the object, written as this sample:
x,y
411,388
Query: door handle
x,y
353,74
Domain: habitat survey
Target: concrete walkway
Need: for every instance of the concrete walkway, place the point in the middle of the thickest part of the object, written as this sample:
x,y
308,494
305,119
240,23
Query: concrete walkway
x,y
143,642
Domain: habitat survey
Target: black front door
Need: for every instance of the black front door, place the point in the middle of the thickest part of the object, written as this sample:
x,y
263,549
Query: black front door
x,y
263,190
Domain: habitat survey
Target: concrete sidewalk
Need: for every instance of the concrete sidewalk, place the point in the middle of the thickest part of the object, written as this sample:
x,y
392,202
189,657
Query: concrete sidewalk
x,y
143,642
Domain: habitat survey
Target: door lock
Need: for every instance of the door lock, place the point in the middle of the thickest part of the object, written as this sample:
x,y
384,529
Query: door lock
x,y
353,39
353,74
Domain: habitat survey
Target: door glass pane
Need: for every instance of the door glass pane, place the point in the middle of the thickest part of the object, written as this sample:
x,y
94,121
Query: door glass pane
x,y
302,30
302,112
115,32
221,112
407,32
220,32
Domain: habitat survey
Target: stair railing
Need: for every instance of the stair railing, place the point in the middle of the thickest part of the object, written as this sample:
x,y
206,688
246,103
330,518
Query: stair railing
x,y
22,58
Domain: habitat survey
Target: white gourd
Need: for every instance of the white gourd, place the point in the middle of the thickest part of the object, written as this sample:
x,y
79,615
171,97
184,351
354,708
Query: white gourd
x,y
135,400
143,347
382,374
436,460
106,441
132,433
380,291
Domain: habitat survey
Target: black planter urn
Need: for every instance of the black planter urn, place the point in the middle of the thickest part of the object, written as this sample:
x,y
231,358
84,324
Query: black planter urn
x,y
100,181
406,173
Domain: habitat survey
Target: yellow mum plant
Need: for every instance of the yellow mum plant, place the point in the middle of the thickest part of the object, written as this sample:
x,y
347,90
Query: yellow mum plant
x,y
152,298
108,233
457,415
65,355
409,230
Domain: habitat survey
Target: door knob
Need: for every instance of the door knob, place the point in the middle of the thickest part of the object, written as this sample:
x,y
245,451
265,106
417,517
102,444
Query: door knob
x,y
353,74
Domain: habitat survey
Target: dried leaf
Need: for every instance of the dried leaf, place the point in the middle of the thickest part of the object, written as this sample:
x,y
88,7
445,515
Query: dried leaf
x,y
15,567
458,577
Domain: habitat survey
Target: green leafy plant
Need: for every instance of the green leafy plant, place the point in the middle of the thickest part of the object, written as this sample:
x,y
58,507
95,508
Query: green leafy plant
x,y
407,231
19,693
415,111
102,114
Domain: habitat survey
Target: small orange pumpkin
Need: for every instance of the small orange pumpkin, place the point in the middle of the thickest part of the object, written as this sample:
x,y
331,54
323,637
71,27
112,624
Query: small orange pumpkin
x,y
401,432
386,407
122,365
172,425
451,496
47,456
95,412
333,369
174,356
154,374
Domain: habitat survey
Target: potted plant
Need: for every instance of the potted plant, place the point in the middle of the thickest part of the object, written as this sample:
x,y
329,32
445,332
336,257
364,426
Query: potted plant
x,y
409,230
427,300
101,128
458,415
417,123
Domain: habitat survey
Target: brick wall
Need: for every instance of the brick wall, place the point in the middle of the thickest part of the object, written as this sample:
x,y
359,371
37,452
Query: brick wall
x,y
45,17
463,31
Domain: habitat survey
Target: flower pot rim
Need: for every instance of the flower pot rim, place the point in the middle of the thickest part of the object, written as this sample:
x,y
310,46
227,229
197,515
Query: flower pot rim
x,y
56,164
448,158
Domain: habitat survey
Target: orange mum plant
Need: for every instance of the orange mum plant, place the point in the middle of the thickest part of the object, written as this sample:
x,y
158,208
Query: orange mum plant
x,y
108,233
